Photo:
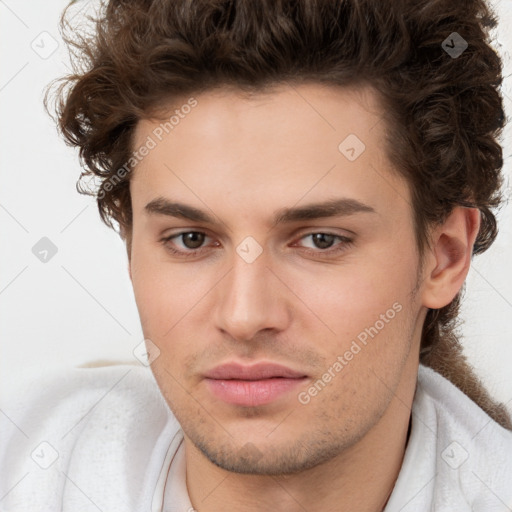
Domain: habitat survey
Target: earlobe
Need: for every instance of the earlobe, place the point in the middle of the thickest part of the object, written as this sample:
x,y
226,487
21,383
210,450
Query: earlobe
x,y
450,257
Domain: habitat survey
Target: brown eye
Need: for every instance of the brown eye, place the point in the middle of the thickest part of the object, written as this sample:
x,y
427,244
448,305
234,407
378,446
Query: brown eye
x,y
323,240
324,244
186,243
192,239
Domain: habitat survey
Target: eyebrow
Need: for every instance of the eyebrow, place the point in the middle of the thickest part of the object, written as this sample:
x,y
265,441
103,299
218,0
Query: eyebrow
x,y
332,208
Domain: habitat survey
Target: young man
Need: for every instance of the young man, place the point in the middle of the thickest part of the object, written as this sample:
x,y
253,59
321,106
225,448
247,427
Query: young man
x,y
301,186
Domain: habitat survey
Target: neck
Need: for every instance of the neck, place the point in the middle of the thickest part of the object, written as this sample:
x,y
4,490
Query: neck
x,y
360,478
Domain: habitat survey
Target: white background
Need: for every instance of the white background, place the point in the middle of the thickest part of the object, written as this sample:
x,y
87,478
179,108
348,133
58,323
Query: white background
x,y
79,306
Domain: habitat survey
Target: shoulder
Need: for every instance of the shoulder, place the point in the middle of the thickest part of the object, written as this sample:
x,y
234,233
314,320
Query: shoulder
x,y
457,457
68,437
77,396
457,415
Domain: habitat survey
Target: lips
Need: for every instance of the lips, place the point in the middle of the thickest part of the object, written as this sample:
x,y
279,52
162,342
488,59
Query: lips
x,y
254,385
254,372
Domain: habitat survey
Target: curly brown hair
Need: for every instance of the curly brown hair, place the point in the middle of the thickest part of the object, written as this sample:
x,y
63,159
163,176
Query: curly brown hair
x,y
444,111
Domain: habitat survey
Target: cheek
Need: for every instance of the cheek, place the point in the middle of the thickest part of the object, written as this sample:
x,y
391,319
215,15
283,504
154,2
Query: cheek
x,y
364,289
363,301
370,322
153,289
163,300
168,295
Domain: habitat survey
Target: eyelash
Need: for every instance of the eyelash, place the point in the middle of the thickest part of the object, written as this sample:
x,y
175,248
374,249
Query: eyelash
x,y
345,244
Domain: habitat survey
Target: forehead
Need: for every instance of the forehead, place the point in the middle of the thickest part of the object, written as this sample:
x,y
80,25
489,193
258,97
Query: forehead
x,y
321,108
287,143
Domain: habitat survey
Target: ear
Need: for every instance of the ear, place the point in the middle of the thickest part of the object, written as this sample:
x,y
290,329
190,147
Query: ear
x,y
128,253
127,239
449,258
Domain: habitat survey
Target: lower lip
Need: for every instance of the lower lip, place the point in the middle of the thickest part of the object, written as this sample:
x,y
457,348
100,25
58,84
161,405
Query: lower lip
x,y
250,393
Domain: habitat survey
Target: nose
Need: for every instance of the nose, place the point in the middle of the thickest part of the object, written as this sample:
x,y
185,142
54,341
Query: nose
x,y
251,299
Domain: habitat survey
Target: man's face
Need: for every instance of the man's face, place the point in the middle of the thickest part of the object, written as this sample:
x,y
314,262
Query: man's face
x,y
329,297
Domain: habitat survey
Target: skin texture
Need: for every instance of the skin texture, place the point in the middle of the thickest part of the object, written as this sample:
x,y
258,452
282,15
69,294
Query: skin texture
x,y
241,159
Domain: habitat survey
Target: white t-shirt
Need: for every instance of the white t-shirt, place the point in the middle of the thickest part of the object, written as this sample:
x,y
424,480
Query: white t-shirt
x,y
104,439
